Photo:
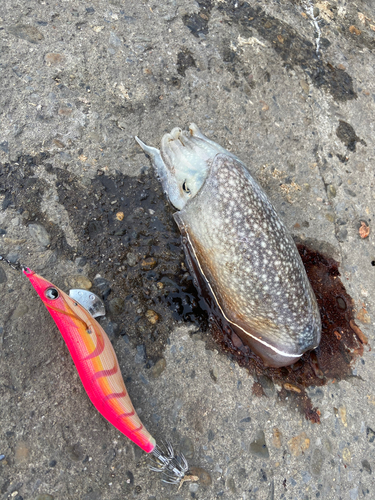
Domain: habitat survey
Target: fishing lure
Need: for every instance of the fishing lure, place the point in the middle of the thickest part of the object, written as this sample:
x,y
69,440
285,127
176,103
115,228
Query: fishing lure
x,y
95,360
99,371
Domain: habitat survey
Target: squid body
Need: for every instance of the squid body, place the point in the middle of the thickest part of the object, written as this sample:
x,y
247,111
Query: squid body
x,y
237,245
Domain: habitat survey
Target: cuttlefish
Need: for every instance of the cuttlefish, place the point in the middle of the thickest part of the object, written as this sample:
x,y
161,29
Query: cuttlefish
x,y
237,244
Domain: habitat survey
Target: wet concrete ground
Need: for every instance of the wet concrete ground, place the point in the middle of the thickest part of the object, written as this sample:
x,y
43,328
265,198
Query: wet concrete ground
x,y
286,85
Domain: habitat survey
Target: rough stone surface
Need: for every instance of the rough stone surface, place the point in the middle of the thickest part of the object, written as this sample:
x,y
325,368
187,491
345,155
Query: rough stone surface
x,y
39,234
299,444
3,276
78,81
158,368
78,281
258,447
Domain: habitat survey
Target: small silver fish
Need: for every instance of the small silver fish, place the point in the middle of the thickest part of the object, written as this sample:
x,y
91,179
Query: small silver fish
x,y
236,242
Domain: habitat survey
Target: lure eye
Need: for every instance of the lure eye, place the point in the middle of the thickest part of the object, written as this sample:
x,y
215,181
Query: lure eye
x,y
185,188
51,293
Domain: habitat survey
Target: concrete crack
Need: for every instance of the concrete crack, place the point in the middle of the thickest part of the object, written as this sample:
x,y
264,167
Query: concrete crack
x,y
309,8
326,185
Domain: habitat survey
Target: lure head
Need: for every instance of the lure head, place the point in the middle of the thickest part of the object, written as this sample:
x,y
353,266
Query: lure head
x,y
49,293
183,162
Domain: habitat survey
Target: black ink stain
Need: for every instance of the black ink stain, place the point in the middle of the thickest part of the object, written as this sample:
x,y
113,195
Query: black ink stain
x,y
120,250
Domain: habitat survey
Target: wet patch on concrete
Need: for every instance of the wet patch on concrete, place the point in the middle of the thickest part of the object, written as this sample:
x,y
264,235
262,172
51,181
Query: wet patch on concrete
x,y
127,240
126,233
23,190
293,48
17,178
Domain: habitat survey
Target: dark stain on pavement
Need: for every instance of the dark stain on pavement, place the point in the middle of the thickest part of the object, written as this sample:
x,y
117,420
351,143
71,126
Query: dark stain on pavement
x,y
198,21
347,135
127,235
24,191
293,48
185,60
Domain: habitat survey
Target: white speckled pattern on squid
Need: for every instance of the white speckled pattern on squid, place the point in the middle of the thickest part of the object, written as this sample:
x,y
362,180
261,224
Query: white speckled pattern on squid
x,y
242,248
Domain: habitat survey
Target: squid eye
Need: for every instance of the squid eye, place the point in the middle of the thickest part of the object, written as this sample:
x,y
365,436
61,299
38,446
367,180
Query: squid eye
x,y
51,293
185,188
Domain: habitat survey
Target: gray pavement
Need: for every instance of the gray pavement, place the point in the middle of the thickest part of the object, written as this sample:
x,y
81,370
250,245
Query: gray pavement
x,y
289,87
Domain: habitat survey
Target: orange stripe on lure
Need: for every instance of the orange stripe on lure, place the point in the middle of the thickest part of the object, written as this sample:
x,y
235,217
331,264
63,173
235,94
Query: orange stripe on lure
x,y
95,360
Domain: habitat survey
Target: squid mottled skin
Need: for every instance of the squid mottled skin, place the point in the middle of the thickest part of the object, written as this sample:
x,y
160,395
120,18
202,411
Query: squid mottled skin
x,y
234,240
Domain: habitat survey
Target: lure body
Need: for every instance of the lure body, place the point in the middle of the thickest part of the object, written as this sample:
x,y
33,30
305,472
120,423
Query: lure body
x,y
95,360
234,240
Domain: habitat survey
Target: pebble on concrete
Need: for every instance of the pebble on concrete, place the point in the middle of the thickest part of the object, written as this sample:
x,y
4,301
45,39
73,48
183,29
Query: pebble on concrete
x,y
132,259
39,234
22,452
346,456
148,264
366,466
152,316
116,306
299,444
204,477
277,438
187,448
158,368
258,447
53,58
26,32
317,461
78,281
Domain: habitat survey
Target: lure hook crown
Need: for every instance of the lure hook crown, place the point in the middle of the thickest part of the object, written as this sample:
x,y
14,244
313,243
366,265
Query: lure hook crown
x,y
172,466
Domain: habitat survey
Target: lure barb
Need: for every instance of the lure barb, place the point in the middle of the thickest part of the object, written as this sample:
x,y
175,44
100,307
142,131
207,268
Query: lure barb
x,y
172,466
